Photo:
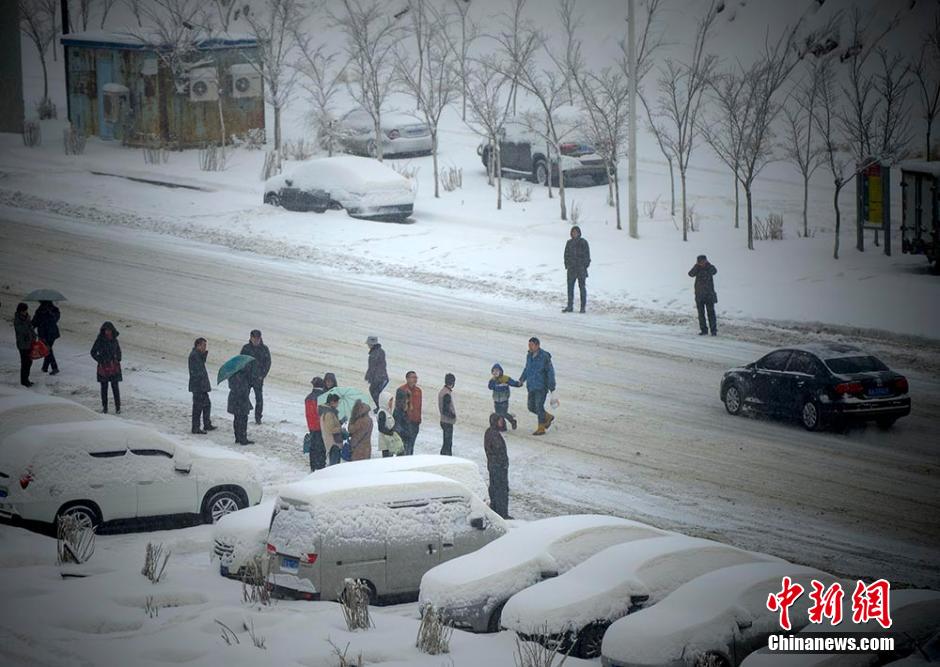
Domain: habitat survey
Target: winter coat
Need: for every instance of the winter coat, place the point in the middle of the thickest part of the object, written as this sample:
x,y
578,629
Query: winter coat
x,y
360,432
539,372
408,404
377,372
500,386
312,410
389,440
577,255
330,426
704,283
495,446
46,321
24,332
107,352
198,375
239,385
262,365
445,405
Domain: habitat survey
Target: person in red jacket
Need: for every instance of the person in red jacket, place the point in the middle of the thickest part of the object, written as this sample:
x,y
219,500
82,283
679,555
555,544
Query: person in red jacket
x,y
317,448
407,412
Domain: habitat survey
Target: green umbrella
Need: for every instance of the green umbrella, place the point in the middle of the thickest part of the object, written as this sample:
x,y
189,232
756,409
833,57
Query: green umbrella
x,y
347,399
44,295
232,366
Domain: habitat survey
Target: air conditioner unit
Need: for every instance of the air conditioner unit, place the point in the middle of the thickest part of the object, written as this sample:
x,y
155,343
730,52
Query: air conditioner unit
x,y
203,85
246,81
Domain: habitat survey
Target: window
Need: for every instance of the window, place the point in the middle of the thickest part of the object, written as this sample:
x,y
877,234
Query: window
x,y
151,452
801,362
775,361
863,364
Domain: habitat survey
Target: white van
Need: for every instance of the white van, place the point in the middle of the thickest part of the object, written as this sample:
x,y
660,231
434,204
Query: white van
x,y
386,529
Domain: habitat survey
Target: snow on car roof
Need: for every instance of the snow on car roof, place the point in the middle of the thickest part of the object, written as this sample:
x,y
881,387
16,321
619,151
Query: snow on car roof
x,y
377,488
601,586
686,620
347,172
19,400
20,411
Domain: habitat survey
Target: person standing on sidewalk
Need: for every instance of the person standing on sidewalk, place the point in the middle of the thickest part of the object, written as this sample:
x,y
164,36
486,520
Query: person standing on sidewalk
x,y
445,404
539,379
497,464
312,412
407,413
500,384
577,261
239,404
46,321
377,373
256,348
25,335
200,387
107,352
705,295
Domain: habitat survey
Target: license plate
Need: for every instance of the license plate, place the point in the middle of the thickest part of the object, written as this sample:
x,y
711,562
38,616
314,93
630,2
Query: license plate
x,y
289,564
879,391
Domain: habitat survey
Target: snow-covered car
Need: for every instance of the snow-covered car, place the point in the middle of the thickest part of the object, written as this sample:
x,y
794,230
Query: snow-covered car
x,y
915,619
578,606
26,408
401,134
384,529
364,187
718,618
470,591
109,469
241,536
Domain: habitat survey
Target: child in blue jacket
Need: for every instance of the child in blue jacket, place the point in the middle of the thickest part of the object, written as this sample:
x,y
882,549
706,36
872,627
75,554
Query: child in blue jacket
x,y
499,385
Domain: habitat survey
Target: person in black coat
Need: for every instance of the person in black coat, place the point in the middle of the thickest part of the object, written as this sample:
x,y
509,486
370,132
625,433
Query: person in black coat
x,y
256,348
239,404
200,386
46,321
25,335
705,295
107,352
577,261
377,372
497,464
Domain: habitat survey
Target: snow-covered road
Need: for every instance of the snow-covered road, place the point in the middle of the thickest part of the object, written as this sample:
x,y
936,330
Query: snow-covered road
x,y
640,431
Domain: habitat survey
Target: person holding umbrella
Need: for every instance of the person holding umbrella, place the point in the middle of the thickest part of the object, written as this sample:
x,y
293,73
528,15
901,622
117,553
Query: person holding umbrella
x,y
46,322
107,352
256,348
236,371
25,335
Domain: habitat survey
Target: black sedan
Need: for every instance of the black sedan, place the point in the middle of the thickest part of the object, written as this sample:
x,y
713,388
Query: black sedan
x,y
826,383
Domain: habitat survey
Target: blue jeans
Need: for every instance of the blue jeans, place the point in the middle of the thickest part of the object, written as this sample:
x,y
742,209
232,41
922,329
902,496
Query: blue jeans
x,y
537,403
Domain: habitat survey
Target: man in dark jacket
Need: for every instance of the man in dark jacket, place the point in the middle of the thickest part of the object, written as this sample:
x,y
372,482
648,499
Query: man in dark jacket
x,y
445,404
256,348
200,386
25,335
239,404
377,373
539,378
312,413
46,321
577,261
705,295
497,464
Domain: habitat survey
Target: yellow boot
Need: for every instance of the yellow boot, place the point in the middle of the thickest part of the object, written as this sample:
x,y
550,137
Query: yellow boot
x,y
549,418
540,430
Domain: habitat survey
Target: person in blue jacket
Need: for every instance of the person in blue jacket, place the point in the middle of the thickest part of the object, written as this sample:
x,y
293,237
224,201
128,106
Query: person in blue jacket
x,y
539,378
499,384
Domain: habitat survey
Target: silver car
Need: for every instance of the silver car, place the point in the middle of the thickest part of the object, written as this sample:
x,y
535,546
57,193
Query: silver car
x,y
402,134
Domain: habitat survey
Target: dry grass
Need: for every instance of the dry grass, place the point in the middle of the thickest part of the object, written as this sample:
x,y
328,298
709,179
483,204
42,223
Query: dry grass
x,y
433,634
354,601
155,561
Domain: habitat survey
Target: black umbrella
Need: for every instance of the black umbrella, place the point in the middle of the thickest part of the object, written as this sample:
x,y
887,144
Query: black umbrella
x,y
44,295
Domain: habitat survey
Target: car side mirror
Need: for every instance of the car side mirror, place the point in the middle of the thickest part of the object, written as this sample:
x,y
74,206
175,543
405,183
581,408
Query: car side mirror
x,y
477,522
289,182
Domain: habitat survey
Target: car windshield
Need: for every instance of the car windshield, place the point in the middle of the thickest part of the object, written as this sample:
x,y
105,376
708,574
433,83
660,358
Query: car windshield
x,y
861,364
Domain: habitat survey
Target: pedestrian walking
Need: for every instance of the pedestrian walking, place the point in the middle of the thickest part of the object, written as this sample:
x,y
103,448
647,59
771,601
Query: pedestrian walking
x,y
360,432
46,322
539,379
445,404
577,261
312,412
256,348
329,381
497,464
705,295
408,411
239,404
107,352
390,442
200,387
331,428
25,335
500,384
377,373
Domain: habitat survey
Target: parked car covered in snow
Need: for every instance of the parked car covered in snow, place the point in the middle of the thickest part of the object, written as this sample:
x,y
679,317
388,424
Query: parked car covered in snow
x,y
26,408
402,134
109,469
384,529
578,606
364,187
470,592
718,618
241,536
819,383
915,619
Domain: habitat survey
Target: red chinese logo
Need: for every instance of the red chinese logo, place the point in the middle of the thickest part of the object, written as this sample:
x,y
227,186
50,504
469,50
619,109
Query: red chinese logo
x,y
872,602
782,601
827,603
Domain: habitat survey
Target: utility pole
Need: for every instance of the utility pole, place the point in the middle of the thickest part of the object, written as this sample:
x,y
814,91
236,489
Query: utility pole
x,y
631,159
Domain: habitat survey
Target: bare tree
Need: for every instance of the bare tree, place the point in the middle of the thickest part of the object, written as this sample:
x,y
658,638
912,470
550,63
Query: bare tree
x,y
371,35
800,146
681,90
136,9
229,10
321,75
84,12
489,98
38,24
431,78
516,39
106,6
171,35
274,28
468,33
725,131
926,71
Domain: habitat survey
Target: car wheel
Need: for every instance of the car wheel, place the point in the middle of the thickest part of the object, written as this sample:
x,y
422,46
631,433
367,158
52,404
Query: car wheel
x,y
495,618
886,423
809,415
272,199
734,401
85,513
590,640
540,172
220,503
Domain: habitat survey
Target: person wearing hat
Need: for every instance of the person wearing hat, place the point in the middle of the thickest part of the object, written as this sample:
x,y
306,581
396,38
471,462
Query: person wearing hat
x,y
25,335
577,261
377,373
312,411
705,295
539,379
200,387
256,348
46,321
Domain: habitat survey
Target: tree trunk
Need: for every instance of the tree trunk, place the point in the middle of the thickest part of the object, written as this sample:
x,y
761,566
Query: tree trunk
x,y
672,189
499,179
490,162
561,189
737,205
377,128
222,126
928,155
277,128
45,76
437,193
685,219
617,201
750,216
610,183
835,203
